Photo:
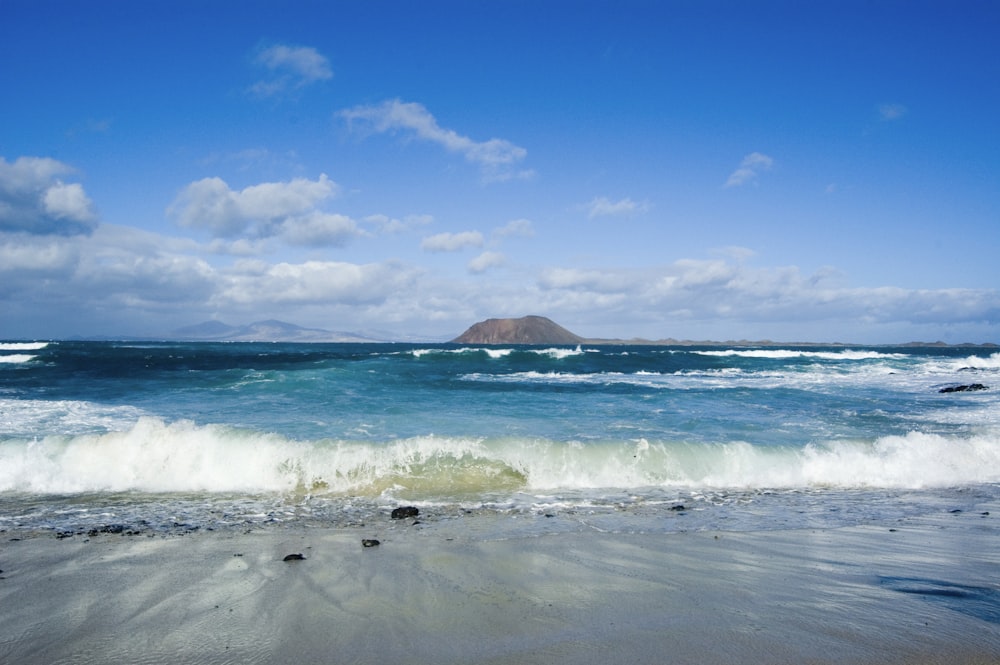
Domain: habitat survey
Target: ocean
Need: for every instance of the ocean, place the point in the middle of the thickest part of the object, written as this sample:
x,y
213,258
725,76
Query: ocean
x,y
160,438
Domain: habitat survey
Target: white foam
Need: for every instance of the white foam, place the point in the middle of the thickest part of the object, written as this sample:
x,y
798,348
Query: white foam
x,y
16,358
560,353
22,346
491,352
782,354
991,362
155,456
31,417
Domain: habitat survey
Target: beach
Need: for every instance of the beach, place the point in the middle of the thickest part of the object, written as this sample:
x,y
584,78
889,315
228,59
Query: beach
x,y
482,589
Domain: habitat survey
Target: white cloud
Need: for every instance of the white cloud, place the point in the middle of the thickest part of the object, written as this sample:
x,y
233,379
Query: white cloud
x,y
521,228
119,280
34,200
283,210
313,282
749,169
728,298
486,261
605,207
452,242
386,225
588,280
891,111
497,158
291,68
319,229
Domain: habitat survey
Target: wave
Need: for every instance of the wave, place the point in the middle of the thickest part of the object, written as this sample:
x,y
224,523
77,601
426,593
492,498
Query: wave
x,y
35,417
553,352
784,354
155,456
22,346
16,358
978,362
642,378
492,353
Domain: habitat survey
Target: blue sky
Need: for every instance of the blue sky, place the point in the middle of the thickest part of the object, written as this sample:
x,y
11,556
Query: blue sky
x,y
703,170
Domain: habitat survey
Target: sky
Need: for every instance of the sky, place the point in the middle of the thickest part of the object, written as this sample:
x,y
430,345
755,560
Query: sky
x,y
793,171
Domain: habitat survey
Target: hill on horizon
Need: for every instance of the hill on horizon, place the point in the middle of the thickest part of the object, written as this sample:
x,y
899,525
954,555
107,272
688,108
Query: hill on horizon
x,y
525,330
270,330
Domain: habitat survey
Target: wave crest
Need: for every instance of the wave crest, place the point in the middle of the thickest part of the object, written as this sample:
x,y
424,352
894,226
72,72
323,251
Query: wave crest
x,y
155,456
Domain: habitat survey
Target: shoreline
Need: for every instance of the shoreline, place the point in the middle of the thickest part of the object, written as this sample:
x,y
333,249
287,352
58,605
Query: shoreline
x,y
476,591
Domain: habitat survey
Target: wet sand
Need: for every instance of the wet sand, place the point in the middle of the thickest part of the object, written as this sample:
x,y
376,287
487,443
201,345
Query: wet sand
x,y
474,591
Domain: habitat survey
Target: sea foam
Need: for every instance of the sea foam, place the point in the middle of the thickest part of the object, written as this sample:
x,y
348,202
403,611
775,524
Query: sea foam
x,y
16,358
157,456
23,346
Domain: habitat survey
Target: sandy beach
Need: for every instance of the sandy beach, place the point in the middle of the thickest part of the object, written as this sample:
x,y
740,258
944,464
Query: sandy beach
x,y
474,590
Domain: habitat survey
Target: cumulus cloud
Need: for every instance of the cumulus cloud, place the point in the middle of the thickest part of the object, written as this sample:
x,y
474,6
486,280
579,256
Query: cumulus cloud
x,y
283,210
386,225
318,229
891,111
290,68
496,158
519,228
33,199
605,207
751,166
452,242
486,261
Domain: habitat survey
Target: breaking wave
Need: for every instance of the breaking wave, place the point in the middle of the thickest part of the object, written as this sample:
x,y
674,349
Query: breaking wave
x,y
23,346
156,456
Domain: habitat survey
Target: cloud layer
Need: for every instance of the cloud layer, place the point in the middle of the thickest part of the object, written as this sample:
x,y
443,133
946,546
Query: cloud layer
x,y
136,280
56,257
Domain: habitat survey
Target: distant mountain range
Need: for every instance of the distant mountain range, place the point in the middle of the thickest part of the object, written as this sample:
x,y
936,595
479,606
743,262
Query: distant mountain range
x,y
524,330
265,331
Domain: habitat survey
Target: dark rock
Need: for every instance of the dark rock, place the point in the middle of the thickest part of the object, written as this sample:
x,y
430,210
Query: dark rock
x,y
369,542
294,557
964,388
404,511
678,507
526,330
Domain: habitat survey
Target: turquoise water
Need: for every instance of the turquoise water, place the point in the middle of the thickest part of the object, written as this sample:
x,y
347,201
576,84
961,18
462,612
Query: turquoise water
x,y
279,432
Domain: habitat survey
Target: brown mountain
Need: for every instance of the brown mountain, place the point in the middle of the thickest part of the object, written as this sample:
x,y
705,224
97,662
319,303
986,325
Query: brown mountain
x,y
526,330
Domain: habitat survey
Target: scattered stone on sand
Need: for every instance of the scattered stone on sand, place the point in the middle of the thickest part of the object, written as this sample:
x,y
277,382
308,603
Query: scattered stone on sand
x,y
294,557
369,542
971,387
404,511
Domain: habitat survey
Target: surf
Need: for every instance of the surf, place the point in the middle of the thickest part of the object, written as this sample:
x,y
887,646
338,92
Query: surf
x,y
156,456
